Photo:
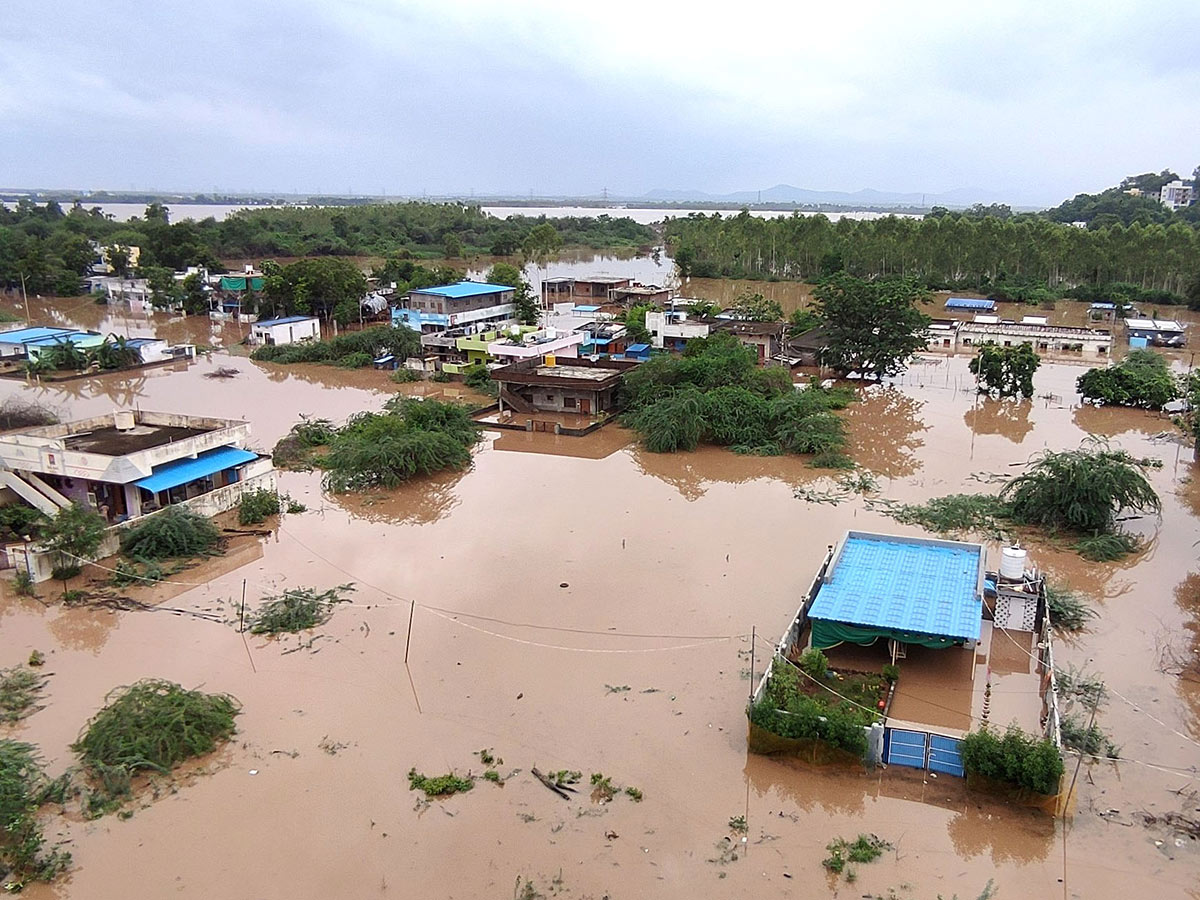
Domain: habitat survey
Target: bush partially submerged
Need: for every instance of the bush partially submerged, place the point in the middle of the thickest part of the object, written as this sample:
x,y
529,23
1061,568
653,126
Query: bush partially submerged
x,y
256,506
19,690
175,532
23,789
155,725
716,394
297,610
1142,379
1067,609
410,438
353,349
1016,758
17,412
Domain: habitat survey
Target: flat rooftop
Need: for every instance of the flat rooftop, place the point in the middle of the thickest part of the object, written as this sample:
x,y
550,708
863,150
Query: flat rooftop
x,y
463,289
584,373
1032,328
1147,324
111,442
915,585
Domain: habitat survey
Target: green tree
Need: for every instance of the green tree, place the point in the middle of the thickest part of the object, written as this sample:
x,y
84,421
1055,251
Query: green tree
x,y
1082,491
1143,379
1005,371
118,259
527,311
874,327
635,322
752,307
452,246
75,534
156,212
161,282
193,295
542,242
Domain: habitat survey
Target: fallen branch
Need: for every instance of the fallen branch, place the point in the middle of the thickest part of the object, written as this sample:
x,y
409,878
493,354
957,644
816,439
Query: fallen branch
x,y
550,784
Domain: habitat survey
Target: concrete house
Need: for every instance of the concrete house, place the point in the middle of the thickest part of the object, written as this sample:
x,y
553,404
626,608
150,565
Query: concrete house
x,y
288,330
764,338
582,386
464,303
1045,338
129,464
672,329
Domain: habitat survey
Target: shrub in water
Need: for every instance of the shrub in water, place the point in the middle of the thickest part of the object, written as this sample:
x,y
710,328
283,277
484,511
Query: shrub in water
x,y
1015,758
23,788
255,506
155,725
297,610
175,532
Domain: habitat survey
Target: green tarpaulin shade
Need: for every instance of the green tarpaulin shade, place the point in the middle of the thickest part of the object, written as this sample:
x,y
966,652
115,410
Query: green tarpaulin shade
x,y
238,282
826,634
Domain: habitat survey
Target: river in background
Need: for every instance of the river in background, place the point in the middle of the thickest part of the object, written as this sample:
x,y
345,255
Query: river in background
x,y
123,212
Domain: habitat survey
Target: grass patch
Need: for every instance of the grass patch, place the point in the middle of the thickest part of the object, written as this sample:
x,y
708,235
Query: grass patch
x,y
737,824
353,349
155,725
493,776
565,776
297,610
20,688
127,572
175,533
863,849
23,789
439,786
603,789
634,794
1091,739
1107,547
955,514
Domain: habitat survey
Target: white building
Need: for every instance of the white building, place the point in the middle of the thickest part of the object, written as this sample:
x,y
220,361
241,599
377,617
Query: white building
x,y
673,329
127,465
288,330
1044,338
536,344
1177,194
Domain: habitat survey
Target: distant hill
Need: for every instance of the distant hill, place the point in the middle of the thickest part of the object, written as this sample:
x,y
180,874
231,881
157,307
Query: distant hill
x,y
866,198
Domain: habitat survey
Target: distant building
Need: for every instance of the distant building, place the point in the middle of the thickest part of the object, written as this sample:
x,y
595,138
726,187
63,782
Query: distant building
x,y
1177,194
1152,332
970,303
545,342
763,338
603,339
467,302
635,294
595,288
672,329
1044,338
288,330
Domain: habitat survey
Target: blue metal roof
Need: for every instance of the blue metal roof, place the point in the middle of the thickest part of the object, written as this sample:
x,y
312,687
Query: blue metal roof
x,y
904,584
637,348
286,320
585,309
67,337
465,289
181,471
36,333
969,303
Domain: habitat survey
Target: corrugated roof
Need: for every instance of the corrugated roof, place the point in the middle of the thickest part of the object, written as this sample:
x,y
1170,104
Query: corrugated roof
x,y
181,471
69,337
465,289
637,348
36,332
904,584
969,303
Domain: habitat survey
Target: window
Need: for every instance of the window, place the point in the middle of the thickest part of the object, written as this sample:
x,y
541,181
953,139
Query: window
x,y
568,402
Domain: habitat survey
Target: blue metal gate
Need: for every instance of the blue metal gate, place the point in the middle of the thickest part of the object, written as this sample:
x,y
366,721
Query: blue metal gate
x,y
945,755
906,748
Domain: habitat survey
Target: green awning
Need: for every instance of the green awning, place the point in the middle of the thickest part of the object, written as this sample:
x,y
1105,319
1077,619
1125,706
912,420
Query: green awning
x,y
826,634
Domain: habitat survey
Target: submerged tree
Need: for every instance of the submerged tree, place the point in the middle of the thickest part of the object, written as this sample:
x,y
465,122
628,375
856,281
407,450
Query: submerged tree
x,y
1083,491
1005,371
873,327
1142,379
752,307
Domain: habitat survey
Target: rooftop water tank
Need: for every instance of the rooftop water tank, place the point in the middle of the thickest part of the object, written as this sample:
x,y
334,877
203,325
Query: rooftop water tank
x,y
1012,563
123,420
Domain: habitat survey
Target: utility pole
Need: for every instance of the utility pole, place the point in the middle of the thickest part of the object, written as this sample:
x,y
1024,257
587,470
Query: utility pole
x,y
25,297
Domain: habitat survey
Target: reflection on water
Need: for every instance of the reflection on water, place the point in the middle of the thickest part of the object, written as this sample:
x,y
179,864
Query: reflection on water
x,y
1179,656
885,428
692,473
419,502
1007,418
830,788
83,628
1006,833
1110,421
600,444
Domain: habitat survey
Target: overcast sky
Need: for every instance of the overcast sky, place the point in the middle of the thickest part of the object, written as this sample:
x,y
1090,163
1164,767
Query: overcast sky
x,y
1030,100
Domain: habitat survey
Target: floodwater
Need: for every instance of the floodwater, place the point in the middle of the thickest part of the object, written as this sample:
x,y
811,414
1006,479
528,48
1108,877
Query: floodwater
x,y
551,572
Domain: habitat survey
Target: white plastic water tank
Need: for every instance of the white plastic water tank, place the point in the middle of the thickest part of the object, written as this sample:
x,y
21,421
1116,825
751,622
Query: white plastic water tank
x,y
123,420
1012,563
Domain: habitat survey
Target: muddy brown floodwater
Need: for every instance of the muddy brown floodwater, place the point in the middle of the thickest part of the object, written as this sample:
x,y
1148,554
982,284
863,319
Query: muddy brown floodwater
x,y
551,572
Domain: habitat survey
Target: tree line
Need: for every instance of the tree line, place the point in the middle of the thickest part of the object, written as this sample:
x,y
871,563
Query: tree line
x,y
51,247
955,252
